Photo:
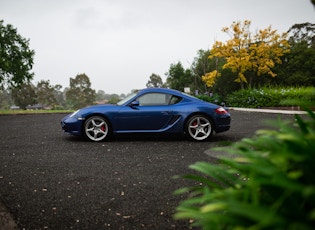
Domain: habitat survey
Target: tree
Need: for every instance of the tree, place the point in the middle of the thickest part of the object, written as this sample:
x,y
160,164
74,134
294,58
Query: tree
x,y
113,99
100,95
155,81
178,77
246,52
80,93
298,68
225,84
5,99
60,97
200,67
24,95
304,32
46,93
16,58
203,66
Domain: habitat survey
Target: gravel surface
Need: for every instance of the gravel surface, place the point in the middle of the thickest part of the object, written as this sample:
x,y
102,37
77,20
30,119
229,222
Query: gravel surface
x,y
49,180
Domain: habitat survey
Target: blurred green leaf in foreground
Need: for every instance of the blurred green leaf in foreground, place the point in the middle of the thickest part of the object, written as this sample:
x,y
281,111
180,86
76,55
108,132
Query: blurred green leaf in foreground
x,y
267,182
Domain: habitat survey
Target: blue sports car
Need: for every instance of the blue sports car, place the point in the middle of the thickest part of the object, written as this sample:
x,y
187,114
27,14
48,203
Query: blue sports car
x,y
151,110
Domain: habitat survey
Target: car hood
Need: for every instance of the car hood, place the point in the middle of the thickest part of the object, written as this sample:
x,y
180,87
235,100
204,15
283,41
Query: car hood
x,y
95,109
103,107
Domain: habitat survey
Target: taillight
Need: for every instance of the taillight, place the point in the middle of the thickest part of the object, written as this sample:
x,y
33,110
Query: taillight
x,y
221,111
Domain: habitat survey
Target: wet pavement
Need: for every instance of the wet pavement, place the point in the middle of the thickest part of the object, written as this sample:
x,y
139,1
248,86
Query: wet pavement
x,y
49,180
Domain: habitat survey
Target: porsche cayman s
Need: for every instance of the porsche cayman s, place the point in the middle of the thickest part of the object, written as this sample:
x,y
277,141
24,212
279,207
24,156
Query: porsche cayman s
x,y
151,110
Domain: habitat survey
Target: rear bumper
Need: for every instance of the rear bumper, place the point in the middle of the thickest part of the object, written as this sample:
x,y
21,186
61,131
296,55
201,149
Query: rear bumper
x,y
223,124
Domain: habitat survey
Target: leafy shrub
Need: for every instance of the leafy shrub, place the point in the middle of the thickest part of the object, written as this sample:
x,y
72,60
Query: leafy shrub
x,y
267,182
270,97
215,98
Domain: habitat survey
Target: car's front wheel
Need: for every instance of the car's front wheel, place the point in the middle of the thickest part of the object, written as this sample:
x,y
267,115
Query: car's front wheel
x,y
96,128
199,128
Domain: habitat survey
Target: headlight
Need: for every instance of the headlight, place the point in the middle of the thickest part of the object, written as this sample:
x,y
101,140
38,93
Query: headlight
x,y
74,113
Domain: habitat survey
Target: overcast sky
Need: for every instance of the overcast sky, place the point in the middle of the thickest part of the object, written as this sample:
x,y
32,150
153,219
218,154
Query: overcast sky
x,y
118,44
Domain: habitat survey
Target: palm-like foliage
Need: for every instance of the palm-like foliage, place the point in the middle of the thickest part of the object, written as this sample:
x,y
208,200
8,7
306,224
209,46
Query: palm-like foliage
x,y
266,183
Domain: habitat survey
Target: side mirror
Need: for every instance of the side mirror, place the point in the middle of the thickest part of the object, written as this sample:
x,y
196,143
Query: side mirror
x,y
134,104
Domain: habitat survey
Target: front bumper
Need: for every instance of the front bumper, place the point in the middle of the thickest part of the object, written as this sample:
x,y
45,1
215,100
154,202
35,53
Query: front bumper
x,y
71,125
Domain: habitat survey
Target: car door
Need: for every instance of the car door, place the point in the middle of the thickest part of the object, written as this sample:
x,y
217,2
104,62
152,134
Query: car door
x,y
150,111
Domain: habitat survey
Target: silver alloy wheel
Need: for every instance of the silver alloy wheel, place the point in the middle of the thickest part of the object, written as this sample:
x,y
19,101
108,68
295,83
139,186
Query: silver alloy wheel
x,y
199,127
96,128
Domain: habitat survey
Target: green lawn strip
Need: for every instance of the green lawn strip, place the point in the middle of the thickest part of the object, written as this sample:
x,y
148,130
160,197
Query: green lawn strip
x,y
18,112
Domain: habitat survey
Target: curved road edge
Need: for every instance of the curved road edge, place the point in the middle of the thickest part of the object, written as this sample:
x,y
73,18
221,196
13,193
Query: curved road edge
x,y
279,111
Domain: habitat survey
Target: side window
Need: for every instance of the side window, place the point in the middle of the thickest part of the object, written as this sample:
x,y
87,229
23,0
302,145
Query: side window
x,y
154,99
175,100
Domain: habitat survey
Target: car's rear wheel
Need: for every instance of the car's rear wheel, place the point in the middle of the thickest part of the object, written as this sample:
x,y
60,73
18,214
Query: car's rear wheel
x,y
96,128
199,128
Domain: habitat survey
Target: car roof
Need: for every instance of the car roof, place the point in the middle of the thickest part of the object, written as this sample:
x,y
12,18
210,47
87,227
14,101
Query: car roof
x,y
169,91
161,90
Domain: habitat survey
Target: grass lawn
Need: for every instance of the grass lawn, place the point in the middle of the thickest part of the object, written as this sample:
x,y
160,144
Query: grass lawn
x,y
13,112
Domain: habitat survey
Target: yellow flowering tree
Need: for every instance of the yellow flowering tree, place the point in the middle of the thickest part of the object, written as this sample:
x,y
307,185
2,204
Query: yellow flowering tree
x,y
245,51
209,78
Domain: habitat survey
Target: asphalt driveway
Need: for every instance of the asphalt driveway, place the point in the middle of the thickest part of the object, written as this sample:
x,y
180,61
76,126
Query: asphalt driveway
x,y
49,180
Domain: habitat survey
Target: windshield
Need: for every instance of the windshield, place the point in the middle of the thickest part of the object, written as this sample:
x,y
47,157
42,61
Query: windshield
x,y
123,101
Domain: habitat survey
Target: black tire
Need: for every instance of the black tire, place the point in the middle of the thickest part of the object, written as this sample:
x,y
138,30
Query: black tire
x,y
96,128
199,128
